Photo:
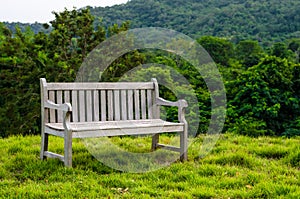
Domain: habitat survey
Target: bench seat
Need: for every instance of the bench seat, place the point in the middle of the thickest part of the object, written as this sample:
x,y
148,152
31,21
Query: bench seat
x,y
114,128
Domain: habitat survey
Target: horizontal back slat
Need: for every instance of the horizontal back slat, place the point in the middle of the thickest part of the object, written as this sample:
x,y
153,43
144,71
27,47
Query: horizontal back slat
x,y
100,86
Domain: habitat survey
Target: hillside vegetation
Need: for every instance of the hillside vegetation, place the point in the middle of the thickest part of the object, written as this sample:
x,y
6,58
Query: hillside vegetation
x,y
264,20
237,167
262,85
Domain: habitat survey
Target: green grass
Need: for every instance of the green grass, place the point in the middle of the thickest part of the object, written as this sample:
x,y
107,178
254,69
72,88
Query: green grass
x,y
237,167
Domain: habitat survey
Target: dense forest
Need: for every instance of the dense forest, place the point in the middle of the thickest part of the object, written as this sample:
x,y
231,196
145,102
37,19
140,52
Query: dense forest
x,y
266,21
262,83
35,27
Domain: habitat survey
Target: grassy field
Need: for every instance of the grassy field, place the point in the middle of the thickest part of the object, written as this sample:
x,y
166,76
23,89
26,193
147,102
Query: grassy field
x,y
237,167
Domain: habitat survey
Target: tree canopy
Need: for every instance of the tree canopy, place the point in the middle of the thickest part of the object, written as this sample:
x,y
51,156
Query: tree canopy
x,y
265,21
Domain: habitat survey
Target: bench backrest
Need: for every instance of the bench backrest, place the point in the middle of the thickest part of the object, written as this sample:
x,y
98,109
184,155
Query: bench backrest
x,y
103,101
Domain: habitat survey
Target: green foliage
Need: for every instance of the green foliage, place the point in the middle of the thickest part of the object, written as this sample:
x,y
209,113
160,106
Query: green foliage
x,y
237,167
248,53
18,90
221,50
73,37
281,50
294,46
265,21
248,126
35,27
263,98
292,128
122,65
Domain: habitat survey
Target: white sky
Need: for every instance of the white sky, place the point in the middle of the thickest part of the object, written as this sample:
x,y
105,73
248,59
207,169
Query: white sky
x,y
30,11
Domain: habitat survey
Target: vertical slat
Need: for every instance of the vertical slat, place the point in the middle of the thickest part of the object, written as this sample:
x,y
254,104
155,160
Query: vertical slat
x,y
156,108
110,104
89,106
149,104
137,104
117,104
103,105
66,96
82,106
124,105
130,104
75,106
59,101
52,111
96,105
46,113
143,104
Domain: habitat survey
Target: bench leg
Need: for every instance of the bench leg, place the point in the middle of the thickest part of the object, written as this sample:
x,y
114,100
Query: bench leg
x,y
183,145
155,140
44,145
68,149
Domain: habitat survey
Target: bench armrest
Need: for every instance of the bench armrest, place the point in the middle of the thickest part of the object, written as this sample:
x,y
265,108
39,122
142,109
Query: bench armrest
x,y
62,107
66,108
181,104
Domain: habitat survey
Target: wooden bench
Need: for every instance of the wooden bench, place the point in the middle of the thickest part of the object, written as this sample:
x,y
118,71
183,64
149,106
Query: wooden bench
x,y
81,110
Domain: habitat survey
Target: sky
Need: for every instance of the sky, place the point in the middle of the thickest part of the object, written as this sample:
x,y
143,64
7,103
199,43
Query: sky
x,y
30,11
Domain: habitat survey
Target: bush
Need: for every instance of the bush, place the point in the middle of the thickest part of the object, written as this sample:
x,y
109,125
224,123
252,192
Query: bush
x,y
250,127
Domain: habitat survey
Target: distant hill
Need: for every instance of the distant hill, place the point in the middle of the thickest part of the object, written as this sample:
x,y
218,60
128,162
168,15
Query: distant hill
x,y
35,27
262,20
267,21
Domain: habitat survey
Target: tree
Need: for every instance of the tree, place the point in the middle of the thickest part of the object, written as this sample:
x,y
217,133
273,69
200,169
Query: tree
x,y
72,38
294,45
221,50
279,49
264,94
248,53
19,86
